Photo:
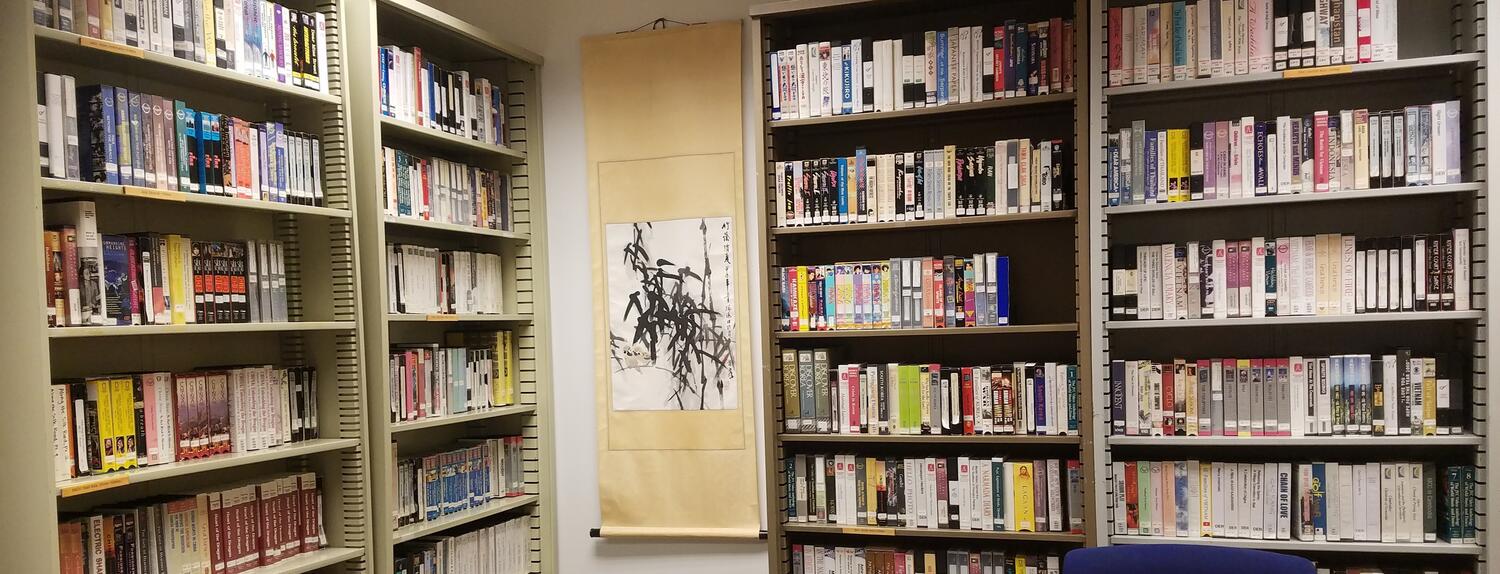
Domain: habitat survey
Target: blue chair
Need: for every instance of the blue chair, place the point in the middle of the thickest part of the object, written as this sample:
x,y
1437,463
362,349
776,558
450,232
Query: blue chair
x,y
1181,559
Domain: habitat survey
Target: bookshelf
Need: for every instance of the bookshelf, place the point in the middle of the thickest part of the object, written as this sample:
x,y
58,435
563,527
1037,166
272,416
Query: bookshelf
x,y
322,329
455,45
1048,250
1441,56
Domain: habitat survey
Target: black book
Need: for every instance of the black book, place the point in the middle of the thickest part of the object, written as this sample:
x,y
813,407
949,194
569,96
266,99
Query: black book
x,y
830,483
919,182
900,185
1447,273
914,90
988,159
1033,63
1336,31
221,42
1062,175
1403,393
830,190
1196,160
867,71
791,201
952,495
1281,13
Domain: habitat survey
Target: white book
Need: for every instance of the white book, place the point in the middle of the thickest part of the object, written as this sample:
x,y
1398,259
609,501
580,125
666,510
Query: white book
x,y
963,494
1389,485
1255,511
1273,173
1221,473
1257,277
1201,40
1333,491
1258,35
1346,501
1372,502
1242,36
1320,380
1056,482
1461,271
1169,281
1299,392
965,58
1126,74
1142,74
798,57
1346,273
1357,508
1117,494
1222,293
1384,37
1351,32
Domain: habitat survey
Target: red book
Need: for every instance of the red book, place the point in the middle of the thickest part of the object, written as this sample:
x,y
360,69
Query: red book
x,y
939,278
1168,421
1075,523
418,106
1366,50
1132,500
966,386
851,380
1320,151
942,492
974,565
1054,54
968,270
1067,56
999,62
137,298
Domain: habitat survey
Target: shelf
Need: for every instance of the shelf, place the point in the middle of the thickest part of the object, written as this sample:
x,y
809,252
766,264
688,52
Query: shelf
x,y
1272,200
446,37
1290,76
428,528
455,228
90,484
928,439
1063,215
931,331
458,419
1310,546
1026,101
1296,441
73,48
793,7
1409,316
198,329
441,140
932,533
310,561
65,186
459,318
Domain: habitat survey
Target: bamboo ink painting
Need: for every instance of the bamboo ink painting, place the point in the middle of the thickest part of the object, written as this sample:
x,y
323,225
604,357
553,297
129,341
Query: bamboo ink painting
x,y
671,315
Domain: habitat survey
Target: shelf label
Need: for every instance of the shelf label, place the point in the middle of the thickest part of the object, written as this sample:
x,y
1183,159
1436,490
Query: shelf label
x,y
96,485
1315,72
441,317
869,530
152,193
112,47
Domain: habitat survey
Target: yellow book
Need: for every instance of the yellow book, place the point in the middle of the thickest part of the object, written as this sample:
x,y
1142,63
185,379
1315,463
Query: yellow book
x,y
1429,396
844,284
101,393
871,492
1143,496
177,277
210,54
1020,563
508,342
801,317
124,415
1178,168
930,559
107,26
1025,506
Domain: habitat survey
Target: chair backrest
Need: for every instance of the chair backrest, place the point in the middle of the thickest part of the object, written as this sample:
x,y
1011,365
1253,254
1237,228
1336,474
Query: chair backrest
x,y
1181,559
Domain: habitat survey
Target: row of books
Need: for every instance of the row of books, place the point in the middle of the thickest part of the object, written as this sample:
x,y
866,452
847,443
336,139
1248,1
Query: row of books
x,y
1176,41
933,68
436,281
253,37
435,189
474,371
813,559
416,90
1326,274
899,293
1319,152
1374,502
435,485
1384,395
1011,176
963,493
893,398
117,422
230,529
155,279
503,548
109,134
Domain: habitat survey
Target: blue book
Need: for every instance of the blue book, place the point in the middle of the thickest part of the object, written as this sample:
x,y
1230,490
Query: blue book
x,y
194,150
1073,398
860,162
843,184
846,98
1010,58
1114,170
1271,302
137,143
1039,391
942,66
791,488
96,131
1180,486
385,81
876,311
1002,290
117,290
1151,156
208,139
1179,34
997,493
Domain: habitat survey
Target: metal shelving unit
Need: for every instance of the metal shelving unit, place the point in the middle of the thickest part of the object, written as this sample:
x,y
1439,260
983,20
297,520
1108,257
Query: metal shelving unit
x,y
454,44
1442,55
1046,319
323,328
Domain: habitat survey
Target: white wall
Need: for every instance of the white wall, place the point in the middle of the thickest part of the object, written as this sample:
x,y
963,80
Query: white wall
x,y
553,29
